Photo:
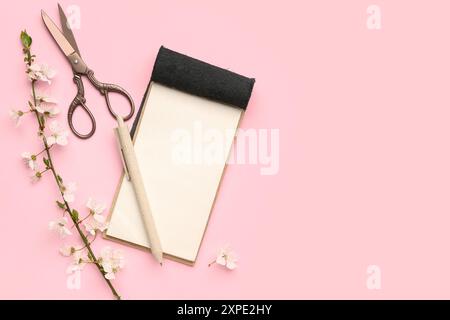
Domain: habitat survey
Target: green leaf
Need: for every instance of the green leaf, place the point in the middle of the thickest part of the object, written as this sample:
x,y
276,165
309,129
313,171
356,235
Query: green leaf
x,y
60,180
75,215
25,39
61,205
46,162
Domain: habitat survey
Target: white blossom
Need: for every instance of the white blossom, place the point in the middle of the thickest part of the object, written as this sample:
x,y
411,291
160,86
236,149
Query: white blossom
x,y
59,226
45,104
66,250
35,176
58,134
112,261
69,192
78,261
41,72
30,160
16,116
96,220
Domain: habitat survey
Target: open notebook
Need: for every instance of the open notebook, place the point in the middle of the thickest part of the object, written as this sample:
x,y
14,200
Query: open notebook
x,y
182,137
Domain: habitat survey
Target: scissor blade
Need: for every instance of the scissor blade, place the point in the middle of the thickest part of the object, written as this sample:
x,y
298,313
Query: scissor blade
x,y
67,31
60,39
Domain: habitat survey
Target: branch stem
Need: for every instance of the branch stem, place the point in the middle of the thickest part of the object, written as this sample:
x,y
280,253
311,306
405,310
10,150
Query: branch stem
x,y
85,240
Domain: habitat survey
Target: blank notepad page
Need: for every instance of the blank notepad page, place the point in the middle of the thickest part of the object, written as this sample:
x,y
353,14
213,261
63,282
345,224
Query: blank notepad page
x,y
177,146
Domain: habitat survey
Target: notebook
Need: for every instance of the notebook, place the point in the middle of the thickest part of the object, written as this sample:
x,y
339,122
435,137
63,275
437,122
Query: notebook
x,y
182,136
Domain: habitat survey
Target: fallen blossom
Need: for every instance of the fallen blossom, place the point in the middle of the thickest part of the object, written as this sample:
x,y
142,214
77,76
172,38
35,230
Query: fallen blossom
x,y
226,258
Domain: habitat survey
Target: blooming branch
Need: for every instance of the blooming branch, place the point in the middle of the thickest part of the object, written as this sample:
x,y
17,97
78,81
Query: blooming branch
x,y
43,107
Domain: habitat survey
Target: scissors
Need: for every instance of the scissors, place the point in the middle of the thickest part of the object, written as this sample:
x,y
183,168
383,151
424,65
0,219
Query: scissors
x,y
66,42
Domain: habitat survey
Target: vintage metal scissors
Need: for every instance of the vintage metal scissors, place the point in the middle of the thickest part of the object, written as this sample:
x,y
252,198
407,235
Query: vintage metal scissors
x,y
66,41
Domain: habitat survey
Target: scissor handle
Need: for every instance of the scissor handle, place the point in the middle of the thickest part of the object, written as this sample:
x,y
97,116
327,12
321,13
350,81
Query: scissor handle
x,y
80,101
106,88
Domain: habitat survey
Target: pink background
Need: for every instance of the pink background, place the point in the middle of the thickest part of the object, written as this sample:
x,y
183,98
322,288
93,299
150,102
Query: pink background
x,y
364,151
